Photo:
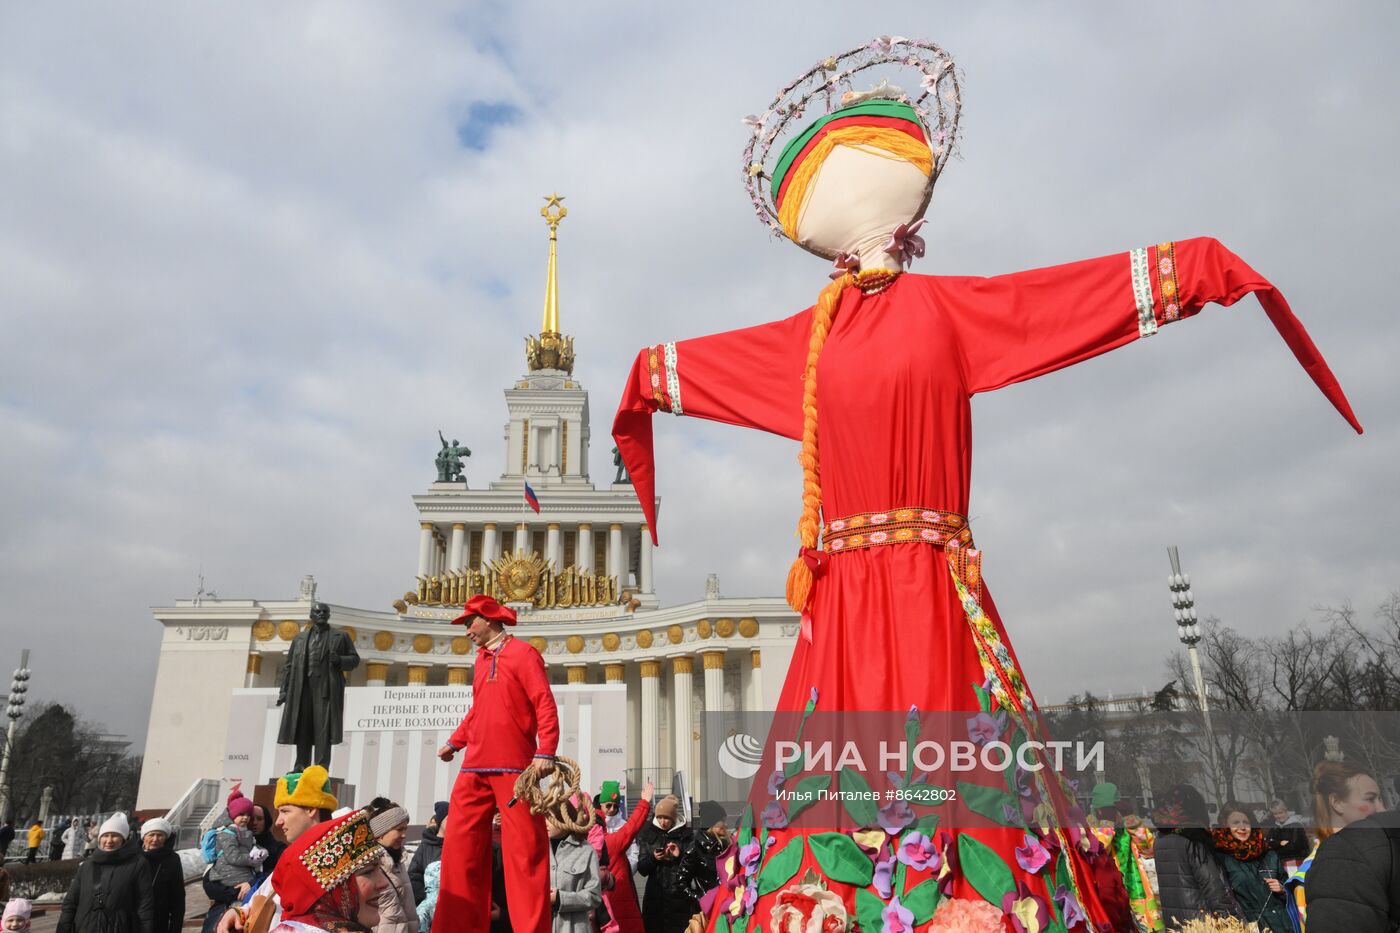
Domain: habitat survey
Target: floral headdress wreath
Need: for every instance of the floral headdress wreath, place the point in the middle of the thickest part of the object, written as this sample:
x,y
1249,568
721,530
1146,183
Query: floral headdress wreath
x,y
938,104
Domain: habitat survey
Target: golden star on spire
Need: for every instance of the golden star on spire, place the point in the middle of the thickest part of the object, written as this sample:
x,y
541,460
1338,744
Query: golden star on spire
x,y
553,200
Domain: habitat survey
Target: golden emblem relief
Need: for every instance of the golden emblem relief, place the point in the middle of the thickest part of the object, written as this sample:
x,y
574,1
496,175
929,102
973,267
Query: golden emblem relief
x,y
287,629
422,644
724,628
263,630
574,643
518,578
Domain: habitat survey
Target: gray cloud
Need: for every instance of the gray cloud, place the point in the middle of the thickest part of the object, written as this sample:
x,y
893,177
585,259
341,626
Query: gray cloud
x,y
249,269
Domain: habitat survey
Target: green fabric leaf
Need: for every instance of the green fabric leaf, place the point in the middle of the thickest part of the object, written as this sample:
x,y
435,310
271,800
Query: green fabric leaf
x,y
864,813
722,924
928,824
922,901
984,699
805,793
795,767
984,870
841,859
897,882
911,733
780,867
740,925
746,826
988,801
1057,919
1062,873
869,911
1018,739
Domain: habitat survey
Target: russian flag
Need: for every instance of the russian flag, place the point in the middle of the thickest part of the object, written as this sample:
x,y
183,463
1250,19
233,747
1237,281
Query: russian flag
x,y
531,500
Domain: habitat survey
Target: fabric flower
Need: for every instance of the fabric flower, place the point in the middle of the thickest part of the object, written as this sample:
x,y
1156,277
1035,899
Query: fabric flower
x,y
896,815
917,851
775,782
754,122
845,262
983,728
897,918
965,915
905,244
750,854
1032,856
869,840
808,908
883,880
1028,911
774,816
884,43
948,868
1070,908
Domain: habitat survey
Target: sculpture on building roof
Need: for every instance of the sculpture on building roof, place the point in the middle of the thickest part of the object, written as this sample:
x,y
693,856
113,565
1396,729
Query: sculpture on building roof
x,y
449,460
551,349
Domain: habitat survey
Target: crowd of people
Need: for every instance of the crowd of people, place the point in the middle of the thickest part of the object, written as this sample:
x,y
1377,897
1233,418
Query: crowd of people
x,y
1259,867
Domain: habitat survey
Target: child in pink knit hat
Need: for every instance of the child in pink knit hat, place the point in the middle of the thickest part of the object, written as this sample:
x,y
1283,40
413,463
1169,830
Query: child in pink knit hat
x,y
17,914
238,856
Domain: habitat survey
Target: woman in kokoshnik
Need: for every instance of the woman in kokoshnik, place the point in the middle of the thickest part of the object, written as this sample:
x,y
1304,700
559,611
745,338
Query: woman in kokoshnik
x,y
875,380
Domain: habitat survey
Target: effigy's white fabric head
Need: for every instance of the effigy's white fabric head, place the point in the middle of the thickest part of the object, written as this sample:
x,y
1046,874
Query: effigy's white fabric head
x,y
856,201
854,184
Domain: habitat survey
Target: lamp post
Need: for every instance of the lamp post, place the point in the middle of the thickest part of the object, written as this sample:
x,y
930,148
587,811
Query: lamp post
x,y
18,688
1188,630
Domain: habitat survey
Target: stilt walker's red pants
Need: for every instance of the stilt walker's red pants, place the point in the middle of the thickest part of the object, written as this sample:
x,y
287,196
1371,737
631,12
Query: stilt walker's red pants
x,y
464,894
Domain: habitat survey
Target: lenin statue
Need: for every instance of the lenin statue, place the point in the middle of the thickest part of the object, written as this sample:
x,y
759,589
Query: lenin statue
x,y
311,690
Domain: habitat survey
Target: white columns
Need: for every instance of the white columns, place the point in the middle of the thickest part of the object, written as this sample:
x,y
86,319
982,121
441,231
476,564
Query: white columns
x,y
651,718
490,546
425,549
583,554
376,672
682,704
645,581
714,681
522,538
754,700
552,551
615,551
454,555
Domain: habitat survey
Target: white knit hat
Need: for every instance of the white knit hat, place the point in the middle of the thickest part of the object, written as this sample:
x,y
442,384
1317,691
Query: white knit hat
x,y
157,824
116,823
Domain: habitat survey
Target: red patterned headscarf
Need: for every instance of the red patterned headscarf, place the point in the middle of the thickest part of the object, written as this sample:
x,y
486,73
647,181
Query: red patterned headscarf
x,y
1246,851
315,878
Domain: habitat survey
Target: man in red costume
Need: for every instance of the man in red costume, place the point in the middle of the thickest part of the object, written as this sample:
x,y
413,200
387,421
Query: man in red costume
x,y
512,725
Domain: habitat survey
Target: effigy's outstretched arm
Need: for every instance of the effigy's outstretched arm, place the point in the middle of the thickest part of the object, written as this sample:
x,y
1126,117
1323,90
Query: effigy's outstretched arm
x,y
1015,327
750,377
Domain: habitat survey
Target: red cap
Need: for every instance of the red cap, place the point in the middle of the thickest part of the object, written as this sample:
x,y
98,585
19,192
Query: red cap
x,y
486,607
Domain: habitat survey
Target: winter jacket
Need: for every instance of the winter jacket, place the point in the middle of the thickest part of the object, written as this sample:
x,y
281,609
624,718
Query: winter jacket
x,y
232,845
398,911
1354,883
111,893
167,889
429,851
1189,883
624,915
573,874
432,878
1256,902
36,836
666,906
74,840
1289,839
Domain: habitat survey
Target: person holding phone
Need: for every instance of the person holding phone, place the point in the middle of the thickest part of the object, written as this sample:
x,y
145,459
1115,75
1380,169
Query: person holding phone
x,y
1252,869
667,905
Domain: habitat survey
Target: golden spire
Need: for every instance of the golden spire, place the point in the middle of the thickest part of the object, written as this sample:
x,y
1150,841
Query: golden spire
x,y
551,350
551,285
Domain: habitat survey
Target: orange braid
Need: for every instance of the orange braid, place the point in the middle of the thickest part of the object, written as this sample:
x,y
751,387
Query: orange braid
x,y
799,581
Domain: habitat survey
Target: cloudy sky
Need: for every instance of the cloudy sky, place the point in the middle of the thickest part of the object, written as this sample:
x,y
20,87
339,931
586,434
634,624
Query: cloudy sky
x,y
254,255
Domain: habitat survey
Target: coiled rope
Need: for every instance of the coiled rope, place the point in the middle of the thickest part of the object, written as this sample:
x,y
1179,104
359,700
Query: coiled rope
x,y
552,799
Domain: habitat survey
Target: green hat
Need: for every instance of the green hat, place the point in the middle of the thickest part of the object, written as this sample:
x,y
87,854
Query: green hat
x,y
611,793
1104,795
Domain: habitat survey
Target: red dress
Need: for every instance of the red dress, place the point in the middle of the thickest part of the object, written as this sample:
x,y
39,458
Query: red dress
x,y
889,629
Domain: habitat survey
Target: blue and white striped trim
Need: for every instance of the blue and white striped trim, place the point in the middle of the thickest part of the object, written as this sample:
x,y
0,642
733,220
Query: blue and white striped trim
x,y
1142,292
673,379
